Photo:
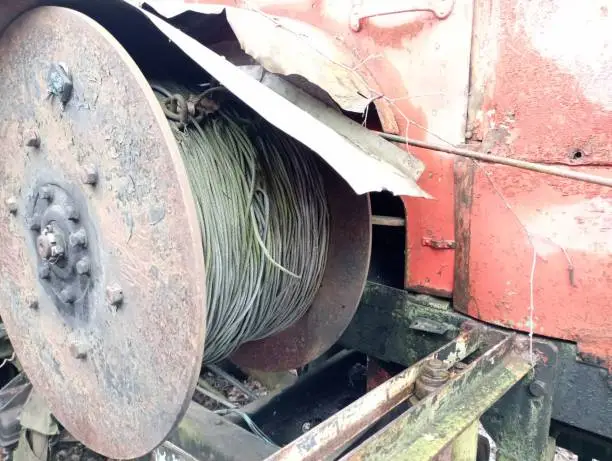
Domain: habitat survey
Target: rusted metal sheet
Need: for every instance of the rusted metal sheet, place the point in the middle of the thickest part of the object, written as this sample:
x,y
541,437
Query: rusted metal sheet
x,y
348,260
565,119
364,169
334,434
424,430
112,354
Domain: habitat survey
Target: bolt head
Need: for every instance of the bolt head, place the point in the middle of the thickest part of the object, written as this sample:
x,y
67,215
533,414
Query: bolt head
x,y
43,246
83,266
34,222
31,302
11,204
537,388
90,175
32,139
44,271
72,213
114,293
79,349
59,82
78,238
67,295
306,426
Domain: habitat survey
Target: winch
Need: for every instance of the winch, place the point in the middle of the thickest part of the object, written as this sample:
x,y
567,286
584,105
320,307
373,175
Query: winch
x,y
270,230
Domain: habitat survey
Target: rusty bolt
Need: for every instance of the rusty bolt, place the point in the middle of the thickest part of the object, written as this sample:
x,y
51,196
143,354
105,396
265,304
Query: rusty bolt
x,y
78,238
72,213
433,376
114,294
32,139
43,246
46,193
34,222
50,245
90,175
79,349
537,388
31,302
67,295
12,205
59,82
83,266
44,271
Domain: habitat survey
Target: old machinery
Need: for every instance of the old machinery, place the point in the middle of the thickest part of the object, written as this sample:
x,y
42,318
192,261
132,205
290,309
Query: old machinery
x,y
303,230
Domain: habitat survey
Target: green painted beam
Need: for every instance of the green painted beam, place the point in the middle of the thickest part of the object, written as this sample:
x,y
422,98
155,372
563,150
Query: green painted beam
x,y
439,419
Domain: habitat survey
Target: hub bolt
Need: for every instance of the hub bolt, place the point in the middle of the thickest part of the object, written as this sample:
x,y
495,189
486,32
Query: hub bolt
x,y
50,245
35,222
78,238
32,139
44,271
31,302
12,205
79,349
83,266
114,294
72,213
90,175
67,295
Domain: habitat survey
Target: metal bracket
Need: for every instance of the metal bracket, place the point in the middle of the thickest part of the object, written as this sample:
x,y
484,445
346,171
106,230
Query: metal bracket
x,y
439,244
363,9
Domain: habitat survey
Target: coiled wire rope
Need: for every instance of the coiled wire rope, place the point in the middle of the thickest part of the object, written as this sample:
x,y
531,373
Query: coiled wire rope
x,y
262,211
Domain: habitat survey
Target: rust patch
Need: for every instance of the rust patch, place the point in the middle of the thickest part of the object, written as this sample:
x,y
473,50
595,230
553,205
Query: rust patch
x,y
464,188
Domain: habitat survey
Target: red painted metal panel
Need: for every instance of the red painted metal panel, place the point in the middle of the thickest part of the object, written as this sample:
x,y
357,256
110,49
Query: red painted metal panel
x,y
543,94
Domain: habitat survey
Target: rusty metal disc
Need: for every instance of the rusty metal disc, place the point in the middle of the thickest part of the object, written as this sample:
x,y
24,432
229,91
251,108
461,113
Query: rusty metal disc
x,y
343,282
101,278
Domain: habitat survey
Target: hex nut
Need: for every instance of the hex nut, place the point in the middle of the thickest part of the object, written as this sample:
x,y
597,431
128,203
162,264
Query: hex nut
x,y
90,175
537,388
67,295
43,246
114,293
78,238
44,271
83,266
34,222
72,213
31,302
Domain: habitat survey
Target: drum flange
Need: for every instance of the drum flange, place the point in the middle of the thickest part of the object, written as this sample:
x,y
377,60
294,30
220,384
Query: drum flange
x,y
100,291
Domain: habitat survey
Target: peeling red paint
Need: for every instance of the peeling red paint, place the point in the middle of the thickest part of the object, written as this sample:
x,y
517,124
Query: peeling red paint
x,y
546,117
